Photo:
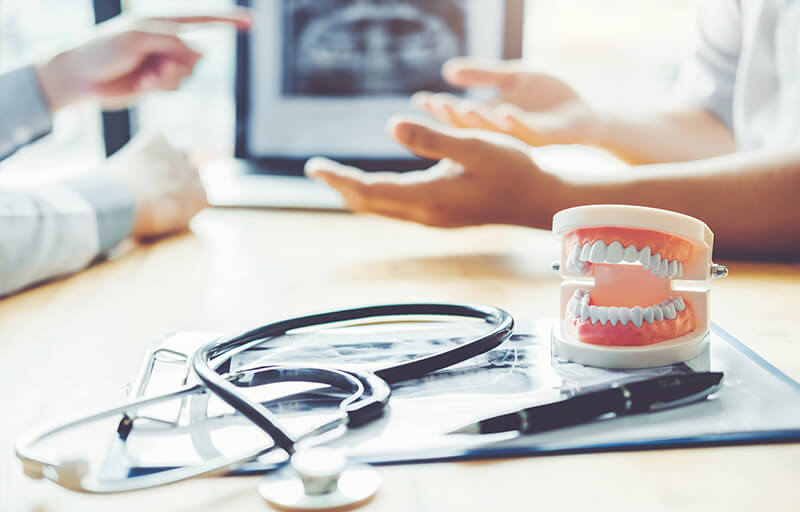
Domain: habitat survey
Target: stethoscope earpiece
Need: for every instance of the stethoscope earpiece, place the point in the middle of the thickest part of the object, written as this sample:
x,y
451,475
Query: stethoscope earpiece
x,y
320,479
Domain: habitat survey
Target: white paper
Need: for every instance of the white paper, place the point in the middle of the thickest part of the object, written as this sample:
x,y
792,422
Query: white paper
x,y
517,374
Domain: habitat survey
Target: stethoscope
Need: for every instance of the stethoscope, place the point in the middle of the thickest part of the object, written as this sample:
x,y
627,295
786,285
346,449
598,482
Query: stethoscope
x,y
317,478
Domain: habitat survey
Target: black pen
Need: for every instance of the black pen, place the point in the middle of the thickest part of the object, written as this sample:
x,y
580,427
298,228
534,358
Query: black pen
x,y
640,396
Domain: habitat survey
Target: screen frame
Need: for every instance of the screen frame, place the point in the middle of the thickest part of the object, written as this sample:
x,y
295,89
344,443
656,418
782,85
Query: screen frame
x,y
512,49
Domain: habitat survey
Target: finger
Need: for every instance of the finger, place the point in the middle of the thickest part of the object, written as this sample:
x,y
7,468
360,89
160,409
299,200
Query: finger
x,y
437,143
418,196
514,121
171,74
148,81
130,84
456,112
146,42
478,116
469,72
145,79
155,72
422,100
387,193
435,106
446,107
366,200
242,19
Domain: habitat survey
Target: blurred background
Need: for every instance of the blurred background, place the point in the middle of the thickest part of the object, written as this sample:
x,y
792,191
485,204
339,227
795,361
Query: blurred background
x,y
624,53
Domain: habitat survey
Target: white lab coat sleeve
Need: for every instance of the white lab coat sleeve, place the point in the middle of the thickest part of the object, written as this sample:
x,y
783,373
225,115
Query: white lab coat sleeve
x,y
24,114
708,76
59,229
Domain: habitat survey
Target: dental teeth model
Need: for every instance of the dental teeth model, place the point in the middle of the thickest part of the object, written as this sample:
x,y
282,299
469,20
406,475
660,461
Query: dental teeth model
x,y
636,291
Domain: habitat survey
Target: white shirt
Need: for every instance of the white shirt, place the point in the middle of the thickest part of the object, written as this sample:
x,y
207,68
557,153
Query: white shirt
x,y
746,70
58,229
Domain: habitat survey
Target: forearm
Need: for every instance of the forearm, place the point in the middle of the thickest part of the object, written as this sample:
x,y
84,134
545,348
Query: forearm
x,y
674,136
749,200
59,229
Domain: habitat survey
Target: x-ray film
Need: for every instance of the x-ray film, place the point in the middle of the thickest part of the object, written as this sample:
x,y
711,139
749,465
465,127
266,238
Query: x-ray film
x,y
346,48
756,403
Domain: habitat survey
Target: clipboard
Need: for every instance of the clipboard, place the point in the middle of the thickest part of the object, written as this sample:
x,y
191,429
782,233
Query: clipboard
x,y
757,403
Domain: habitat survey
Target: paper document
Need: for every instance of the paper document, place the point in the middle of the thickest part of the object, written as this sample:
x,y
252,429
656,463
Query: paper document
x,y
756,402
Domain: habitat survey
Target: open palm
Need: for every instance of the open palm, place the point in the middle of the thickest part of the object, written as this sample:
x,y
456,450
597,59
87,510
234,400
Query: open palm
x,y
538,108
480,178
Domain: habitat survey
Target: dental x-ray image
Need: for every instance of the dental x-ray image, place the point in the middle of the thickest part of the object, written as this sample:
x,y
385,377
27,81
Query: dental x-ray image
x,y
369,47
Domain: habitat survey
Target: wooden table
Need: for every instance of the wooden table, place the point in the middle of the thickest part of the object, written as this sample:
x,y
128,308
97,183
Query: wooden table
x,y
73,345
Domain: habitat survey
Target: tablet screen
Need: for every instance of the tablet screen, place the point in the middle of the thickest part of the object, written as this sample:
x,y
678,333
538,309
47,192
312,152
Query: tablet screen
x,y
325,75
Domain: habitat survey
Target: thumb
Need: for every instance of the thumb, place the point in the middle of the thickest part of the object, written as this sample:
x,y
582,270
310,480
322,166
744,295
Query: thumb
x,y
469,72
438,143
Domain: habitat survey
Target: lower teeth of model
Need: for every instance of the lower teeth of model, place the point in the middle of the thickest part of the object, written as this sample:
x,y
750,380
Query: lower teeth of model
x,y
578,306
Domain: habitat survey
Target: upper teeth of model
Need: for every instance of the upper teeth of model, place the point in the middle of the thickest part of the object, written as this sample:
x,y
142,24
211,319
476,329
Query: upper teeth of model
x,y
598,252
578,306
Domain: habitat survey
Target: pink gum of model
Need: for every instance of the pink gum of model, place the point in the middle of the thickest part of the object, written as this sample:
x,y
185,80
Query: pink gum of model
x,y
622,304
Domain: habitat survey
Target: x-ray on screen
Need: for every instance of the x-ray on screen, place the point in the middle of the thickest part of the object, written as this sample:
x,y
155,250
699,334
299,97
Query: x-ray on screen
x,y
325,75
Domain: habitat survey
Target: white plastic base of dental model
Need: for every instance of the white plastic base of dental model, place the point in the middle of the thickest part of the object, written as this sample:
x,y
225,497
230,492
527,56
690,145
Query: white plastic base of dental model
x,y
678,350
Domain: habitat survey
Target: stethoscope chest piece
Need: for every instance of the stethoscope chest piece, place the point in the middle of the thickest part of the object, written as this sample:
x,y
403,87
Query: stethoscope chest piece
x,y
320,479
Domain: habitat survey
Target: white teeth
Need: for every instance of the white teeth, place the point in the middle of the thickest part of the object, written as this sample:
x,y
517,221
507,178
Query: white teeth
x,y
614,252
644,257
655,262
574,259
624,316
598,252
673,268
602,314
575,253
578,307
613,315
637,316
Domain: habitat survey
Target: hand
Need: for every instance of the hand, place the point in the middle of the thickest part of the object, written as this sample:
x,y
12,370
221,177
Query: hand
x,y
536,108
482,178
126,58
165,185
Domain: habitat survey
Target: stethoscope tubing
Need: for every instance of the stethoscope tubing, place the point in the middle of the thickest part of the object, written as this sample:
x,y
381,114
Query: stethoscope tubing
x,y
214,355
207,361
